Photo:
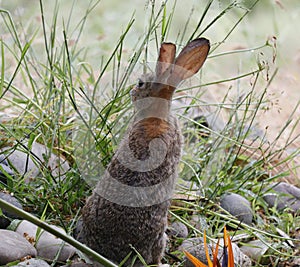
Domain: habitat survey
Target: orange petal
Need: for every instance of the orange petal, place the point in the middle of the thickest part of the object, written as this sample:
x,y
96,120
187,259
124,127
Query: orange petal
x,y
210,264
225,237
194,260
227,242
230,253
215,255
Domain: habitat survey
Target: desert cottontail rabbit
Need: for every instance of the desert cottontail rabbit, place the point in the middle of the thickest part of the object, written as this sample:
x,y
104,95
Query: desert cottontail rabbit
x,y
128,208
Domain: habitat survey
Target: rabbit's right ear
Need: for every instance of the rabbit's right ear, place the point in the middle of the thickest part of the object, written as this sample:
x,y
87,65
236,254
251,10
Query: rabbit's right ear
x,y
165,60
189,61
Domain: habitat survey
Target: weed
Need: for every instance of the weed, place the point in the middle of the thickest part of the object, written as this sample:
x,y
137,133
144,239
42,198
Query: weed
x,y
58,94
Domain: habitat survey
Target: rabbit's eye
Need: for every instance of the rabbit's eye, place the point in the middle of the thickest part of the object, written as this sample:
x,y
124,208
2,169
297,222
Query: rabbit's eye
x,y
140,83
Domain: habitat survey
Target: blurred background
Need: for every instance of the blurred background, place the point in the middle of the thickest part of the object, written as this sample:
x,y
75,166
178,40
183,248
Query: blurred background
x,y
271,21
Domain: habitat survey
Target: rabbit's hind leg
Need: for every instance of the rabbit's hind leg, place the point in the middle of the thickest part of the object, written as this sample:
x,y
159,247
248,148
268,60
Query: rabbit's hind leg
x,y
158,249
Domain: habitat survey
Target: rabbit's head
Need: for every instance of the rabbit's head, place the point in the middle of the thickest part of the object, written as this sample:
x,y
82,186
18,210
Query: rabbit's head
x,y
170,71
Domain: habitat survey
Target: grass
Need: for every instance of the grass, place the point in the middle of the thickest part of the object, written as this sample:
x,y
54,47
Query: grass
x,y
62,96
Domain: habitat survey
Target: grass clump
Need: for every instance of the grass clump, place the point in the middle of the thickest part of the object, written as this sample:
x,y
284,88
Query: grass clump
x,y
54,96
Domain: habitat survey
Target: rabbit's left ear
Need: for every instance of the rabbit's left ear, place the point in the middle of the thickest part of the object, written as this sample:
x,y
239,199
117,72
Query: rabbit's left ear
x,y
189,61
165,60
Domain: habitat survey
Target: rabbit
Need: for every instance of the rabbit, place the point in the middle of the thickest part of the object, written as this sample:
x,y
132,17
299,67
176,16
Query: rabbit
x,y
127,211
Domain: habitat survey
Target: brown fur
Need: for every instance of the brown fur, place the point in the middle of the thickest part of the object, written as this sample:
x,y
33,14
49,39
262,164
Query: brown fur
x,y
113,229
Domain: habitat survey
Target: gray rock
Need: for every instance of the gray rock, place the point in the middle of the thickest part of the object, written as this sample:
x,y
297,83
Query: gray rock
x,y
283,195
32,263
178,229
199,221
7,169
30,164
195,246
256,250
47,245
27,228
237,206
4,168
295,262
4,222
13,247
78,264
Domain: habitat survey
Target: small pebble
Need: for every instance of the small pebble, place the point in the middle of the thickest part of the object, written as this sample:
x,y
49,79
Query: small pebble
x,y
78,264
195,246
283,195
6,168
47,245
256,250
237,206
32,263
5,220
178,229
14,246
29,166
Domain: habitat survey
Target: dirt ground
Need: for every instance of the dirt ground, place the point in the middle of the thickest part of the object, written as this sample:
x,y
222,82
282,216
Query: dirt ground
x,y
285,91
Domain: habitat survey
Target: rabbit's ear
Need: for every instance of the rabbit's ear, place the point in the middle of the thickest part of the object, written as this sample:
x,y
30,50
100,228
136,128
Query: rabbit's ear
x,y
165,59
189,61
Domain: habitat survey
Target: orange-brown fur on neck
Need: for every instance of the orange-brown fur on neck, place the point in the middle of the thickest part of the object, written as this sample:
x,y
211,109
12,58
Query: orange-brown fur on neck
x,y
166,93
152,127
145,131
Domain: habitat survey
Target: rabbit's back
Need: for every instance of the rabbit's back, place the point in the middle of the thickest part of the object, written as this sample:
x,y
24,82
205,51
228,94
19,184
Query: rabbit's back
x,y
110,228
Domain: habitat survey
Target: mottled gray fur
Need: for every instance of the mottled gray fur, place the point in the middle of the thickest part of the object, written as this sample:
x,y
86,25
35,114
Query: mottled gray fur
x,y
112,229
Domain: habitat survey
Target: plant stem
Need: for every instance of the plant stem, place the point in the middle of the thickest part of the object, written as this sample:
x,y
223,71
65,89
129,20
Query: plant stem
x,y
70,240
